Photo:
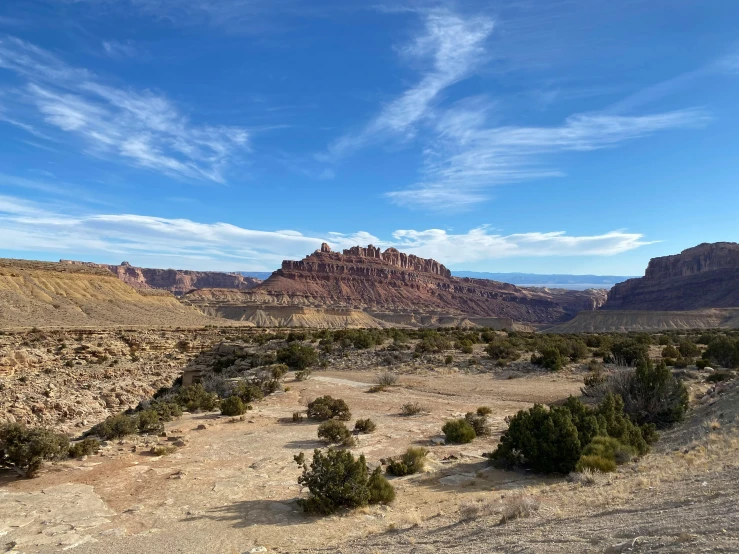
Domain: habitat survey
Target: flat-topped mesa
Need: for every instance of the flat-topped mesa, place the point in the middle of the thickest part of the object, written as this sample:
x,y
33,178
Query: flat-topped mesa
x,y
699,259
368,261
705,276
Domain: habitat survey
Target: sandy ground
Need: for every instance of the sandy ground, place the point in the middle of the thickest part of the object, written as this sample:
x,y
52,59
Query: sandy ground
x,y
232,486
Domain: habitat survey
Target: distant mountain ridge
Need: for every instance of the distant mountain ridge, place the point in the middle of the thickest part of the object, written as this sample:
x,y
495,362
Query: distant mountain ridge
x,y
554,280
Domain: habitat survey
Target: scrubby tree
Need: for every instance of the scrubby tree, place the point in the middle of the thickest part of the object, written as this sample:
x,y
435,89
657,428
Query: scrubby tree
x,y
327,407
27,448
337,480
297,356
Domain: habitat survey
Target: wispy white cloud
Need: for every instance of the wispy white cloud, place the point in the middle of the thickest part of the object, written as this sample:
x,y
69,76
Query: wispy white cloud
x,y
140,128
157,241
119,50
451,47
467,156
482,243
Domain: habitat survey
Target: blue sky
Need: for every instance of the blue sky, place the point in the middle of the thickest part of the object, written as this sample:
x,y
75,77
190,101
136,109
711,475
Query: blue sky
x,y
557,136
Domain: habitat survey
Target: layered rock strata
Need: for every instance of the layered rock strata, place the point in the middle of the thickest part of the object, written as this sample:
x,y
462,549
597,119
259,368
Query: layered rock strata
x,y
705,276
176,281
388,283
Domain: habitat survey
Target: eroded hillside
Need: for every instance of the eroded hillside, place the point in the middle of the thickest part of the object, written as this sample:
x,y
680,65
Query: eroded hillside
x,y
44,294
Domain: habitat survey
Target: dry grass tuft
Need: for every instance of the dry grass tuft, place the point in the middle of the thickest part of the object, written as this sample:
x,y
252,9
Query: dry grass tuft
x,y
517,506
588,477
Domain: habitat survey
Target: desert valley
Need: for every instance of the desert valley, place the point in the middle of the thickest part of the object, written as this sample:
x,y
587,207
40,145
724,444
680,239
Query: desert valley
x,y
149,410
329,277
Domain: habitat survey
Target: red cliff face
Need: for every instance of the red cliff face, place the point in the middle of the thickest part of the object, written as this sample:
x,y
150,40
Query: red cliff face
x,y
706,276
373,280
175,280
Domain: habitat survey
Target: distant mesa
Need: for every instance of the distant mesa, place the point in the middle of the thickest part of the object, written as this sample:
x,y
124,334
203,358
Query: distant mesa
x,y
390,287
705,276
698,288
176,281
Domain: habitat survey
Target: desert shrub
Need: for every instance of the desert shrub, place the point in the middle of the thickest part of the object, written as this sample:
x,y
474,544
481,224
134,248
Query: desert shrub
x,y
411,408
364,425
604,454
380,489
432,341
723,351
326,407
595,463
663,340
502,350
680,363
670,351
545,439
162,450
337,480
550,358
335,432
386,379
458,431
303,375
412,461
166,410
115,427
718,376
650,393
466,347
248,391
553,440
448,359
688,349
484,411
85,447
195,397
217,384
148,422
700,363
27,448
233,406
297,356
479,423
629,351
278,371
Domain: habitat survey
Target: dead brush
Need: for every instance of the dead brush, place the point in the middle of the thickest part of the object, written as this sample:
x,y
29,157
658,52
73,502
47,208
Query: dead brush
x,y
472,510
386,379
587,477
518,506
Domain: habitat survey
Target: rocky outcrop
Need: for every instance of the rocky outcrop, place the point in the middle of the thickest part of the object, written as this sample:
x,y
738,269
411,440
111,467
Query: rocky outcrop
x,y
706,276
391,282
177,281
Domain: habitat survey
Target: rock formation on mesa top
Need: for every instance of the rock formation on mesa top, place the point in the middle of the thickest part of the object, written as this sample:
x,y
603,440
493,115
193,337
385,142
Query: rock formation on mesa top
x,y
389,285
177,281
705,276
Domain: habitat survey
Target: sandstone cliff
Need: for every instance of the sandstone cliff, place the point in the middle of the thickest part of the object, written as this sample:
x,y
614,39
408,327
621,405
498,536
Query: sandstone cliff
x,y
706,276
389,283
177,281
